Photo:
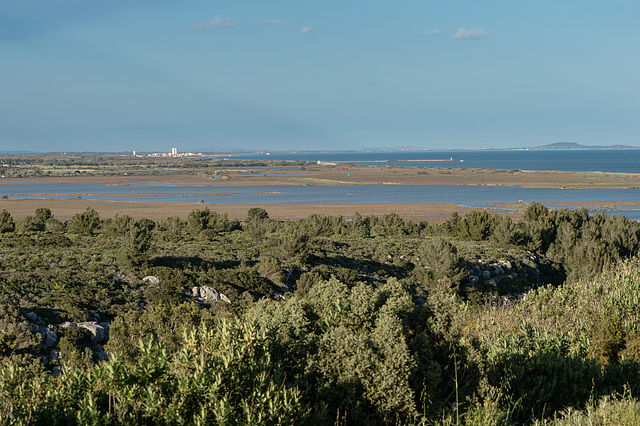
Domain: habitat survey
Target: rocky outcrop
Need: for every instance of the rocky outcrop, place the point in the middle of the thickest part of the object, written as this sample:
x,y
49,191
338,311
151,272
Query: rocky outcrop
x,y
99,331
49,337
208,294
99,336
510,277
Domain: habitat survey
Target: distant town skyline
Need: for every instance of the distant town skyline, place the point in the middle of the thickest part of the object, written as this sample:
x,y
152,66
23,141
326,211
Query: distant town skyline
x,y
221,76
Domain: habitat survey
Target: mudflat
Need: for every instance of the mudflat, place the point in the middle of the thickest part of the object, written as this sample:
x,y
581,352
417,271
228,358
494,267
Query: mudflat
x,y
339,174
65,209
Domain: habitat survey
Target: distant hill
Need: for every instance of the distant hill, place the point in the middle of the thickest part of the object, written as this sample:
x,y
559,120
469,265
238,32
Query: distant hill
x,y
573,145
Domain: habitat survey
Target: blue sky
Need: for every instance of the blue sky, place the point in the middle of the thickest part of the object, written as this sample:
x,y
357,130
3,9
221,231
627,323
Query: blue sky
x,y
89,75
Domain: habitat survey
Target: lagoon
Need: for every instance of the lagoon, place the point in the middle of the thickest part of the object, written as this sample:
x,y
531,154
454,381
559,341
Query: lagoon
x,y
470,196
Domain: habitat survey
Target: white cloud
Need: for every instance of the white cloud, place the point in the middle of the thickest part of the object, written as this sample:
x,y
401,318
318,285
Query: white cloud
x,y
307,30
272,22
217,22
464,34
432,32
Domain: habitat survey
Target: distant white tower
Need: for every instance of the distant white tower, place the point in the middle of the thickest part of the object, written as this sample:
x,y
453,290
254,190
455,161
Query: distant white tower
x,y
174,151
134,153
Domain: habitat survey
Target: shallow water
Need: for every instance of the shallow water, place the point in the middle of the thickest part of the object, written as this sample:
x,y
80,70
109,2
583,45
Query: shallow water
x,y
473,196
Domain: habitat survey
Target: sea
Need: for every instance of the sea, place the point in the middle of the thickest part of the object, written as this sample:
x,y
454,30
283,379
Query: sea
x,y
610,161
587,160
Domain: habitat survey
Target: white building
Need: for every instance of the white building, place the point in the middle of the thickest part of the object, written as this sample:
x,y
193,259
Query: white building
x,y
174,151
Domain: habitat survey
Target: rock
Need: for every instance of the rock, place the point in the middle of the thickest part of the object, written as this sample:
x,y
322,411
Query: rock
x,y
151,279
473,280
50,338
100,352
486,274
31,316
506,264
206,293
493,283
57,371
209,294
98,333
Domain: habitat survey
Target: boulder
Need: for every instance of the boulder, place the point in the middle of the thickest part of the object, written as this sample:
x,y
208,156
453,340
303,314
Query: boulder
x,y
98,333
32,316
100,352
209,294
57,371
50,338
55,355
151,279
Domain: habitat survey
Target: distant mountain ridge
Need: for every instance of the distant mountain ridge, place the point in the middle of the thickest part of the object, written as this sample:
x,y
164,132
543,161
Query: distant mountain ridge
x,y
573,145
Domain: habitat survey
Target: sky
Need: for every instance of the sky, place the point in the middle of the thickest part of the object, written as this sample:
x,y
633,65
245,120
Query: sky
x,y
230,75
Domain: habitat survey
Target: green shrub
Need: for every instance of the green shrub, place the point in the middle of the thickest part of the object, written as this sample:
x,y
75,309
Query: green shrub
x,y
219,375
85,223
6,222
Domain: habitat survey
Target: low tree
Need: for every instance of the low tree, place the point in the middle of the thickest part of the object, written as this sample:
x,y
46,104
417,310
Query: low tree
x,y
86,222
256,213
138,242
29,224
43,214
440,262
6,222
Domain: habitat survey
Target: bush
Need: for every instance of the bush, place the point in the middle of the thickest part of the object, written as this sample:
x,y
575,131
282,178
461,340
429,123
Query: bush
x,y
6,222
221,374
85,223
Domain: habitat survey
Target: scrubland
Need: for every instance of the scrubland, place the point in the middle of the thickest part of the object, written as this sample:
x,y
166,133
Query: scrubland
x,y
324,320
